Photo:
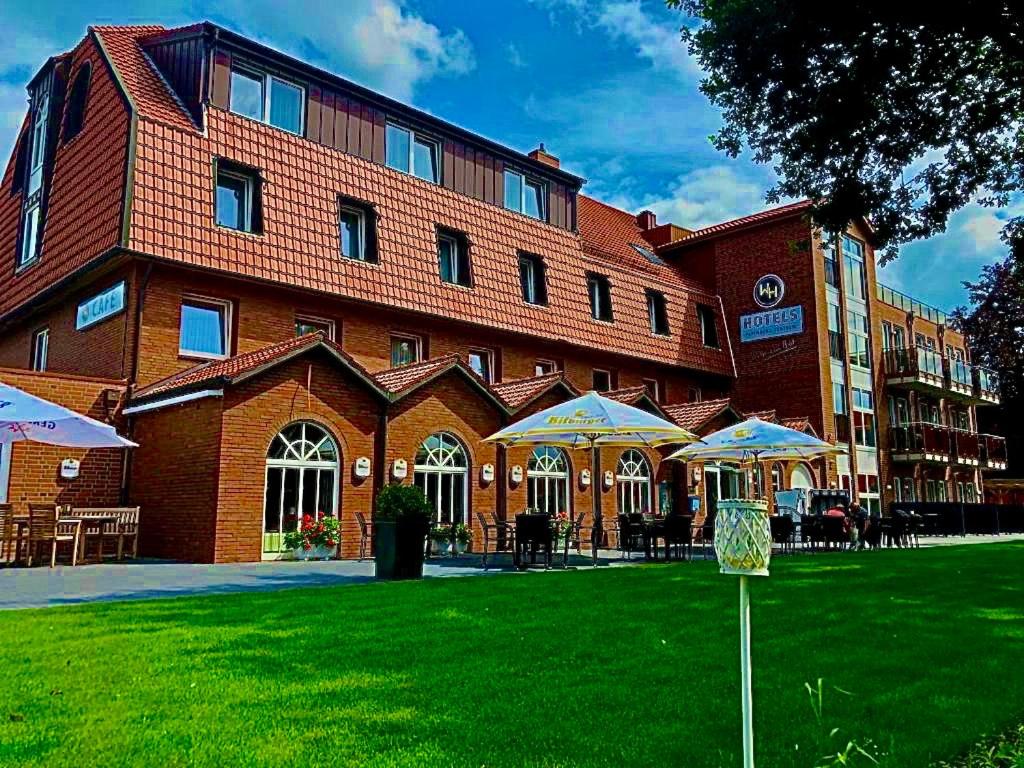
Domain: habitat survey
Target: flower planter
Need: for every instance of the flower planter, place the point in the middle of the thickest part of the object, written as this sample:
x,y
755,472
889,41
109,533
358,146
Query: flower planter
x,y
743,537
461,547
316,553
441,548
399,547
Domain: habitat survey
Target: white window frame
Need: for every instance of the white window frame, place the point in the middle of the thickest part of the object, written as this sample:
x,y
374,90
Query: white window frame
x,y
267,79
415,136
27,256
607,373
543,362
361,216
542,471
438,463
634,478
705,315
595,283
655,391
653,297
536,265
456,260
524,180
417,346
314,320
40,349
226,308
247,204
488,355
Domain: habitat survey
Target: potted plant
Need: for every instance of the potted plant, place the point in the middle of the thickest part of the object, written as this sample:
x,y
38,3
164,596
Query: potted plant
x,y
400,529
316,538
440,540
463,538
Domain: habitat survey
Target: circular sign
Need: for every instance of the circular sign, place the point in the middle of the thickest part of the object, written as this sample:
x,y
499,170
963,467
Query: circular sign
x,y
769,290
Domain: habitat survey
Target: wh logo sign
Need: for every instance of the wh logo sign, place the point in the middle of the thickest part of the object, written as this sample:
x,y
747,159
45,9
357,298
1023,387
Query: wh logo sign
x,y
769,290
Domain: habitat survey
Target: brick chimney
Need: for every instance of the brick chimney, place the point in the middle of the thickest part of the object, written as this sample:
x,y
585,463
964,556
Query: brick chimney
x,y
541,156
646,220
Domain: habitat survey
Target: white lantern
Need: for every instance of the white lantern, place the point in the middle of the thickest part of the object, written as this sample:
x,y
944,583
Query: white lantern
x,y
743,537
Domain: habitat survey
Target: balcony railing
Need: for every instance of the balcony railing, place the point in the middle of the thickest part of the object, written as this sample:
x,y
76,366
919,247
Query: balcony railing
x,y
966,447
909,304
986,384
958,376
993,451
916,363
921,441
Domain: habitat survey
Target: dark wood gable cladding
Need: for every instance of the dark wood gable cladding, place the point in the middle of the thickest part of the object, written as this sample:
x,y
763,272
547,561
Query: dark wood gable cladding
x,y
181,59
344,122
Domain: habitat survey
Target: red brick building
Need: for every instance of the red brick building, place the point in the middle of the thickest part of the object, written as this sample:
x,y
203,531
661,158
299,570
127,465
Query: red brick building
x,y
302,290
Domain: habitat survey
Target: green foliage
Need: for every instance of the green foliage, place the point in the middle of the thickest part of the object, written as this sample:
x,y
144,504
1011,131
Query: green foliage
x,y
1006,751
891,110
396,502
463,533
852,753
440,533
313,533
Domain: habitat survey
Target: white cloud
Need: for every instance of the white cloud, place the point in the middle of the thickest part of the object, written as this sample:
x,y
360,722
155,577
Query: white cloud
x,y
515,56
381,43
657,42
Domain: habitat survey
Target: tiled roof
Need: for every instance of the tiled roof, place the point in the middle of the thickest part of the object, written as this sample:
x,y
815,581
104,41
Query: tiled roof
x,y
403,377
763,415
799,423
172,217
693,416
146,88
233,368
755,219
518,392
627,395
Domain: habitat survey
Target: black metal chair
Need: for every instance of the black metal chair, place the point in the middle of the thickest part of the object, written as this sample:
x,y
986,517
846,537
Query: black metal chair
x,y
496,531
834,531
533,533
783,531
630,535
811,532
679,535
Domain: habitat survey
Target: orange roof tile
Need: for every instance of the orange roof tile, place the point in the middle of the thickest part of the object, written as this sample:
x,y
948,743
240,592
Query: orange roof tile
x,y
693,416
520,392
772,214
404,379
800,424
763,415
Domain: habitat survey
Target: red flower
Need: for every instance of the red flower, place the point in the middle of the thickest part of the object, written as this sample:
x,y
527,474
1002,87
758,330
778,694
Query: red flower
x,y
307,546
330,542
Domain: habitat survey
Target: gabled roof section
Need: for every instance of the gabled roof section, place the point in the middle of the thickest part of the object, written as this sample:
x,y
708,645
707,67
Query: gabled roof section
x,y
638,397
764,416
233,370
403,380
694,416
727,227
144,87
518,393
800,424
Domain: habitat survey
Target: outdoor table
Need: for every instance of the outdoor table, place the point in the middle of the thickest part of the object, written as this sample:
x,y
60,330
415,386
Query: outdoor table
x,y
533,531
90,521
654,529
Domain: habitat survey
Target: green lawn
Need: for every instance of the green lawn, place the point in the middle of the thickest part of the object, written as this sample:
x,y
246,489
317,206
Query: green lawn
x,y
620,666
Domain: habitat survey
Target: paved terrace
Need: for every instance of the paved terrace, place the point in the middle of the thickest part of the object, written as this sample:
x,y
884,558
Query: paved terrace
x,y
144,579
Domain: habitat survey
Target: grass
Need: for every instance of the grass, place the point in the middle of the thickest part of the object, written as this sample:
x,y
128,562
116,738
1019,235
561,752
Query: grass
x,y
919,652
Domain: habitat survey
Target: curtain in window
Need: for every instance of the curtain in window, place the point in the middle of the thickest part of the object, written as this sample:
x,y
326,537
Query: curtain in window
x,y
285,106
202,329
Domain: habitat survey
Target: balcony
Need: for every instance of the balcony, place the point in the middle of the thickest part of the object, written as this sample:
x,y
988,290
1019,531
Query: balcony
x,y
966,448
986,386
921,442
927,371
993,451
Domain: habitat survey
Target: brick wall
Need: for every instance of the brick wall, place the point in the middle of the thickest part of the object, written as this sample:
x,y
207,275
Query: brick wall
x,y
35,468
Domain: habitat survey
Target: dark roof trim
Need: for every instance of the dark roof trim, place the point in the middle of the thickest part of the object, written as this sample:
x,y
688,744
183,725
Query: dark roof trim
x,y
223,36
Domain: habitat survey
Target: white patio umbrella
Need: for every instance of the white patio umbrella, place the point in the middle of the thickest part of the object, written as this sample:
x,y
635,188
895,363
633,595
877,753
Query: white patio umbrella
x,y
27,417
592,421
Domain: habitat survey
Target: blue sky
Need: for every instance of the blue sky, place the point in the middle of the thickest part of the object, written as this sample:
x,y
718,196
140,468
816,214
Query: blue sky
x,y
605,84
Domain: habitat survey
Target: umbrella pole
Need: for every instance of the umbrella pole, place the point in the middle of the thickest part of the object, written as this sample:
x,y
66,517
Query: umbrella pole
x,y
595,489
748,719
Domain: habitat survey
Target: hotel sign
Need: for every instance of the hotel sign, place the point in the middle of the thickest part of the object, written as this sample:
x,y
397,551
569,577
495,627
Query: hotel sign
x,y
785,321
768,291
100,307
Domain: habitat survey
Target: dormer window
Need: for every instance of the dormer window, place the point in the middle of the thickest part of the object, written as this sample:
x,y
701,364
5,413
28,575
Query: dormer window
x,y
453,257
532,280
600,291
657,313
409,152
267,98
237,204
525,195
32,203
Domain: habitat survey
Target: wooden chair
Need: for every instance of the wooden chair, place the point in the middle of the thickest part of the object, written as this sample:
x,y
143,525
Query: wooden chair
x,y
122,532
7,533
45,529
365,534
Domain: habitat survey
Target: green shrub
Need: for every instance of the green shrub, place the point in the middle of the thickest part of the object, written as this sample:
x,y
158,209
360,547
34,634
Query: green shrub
x,y
403,502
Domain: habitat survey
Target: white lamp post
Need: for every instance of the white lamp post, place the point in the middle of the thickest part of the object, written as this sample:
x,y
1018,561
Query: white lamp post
x,y
743,545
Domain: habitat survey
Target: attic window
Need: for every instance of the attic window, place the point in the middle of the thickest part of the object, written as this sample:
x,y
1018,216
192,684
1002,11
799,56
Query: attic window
x,y
238,204
453,257
267,98
74,118
708,327
525,195
657,313
600,291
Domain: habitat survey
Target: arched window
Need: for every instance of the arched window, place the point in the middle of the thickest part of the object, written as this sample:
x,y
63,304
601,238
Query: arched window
x,y
548,480
441,471
301,479
633,478
802,477
74,118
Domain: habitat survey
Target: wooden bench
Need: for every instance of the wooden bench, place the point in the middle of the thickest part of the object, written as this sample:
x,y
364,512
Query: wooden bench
x,y
124,529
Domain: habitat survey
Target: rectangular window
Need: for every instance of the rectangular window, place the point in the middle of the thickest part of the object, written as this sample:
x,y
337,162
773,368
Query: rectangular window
x,y
353,233
267,98
305,324
853,260
40,121
544,367
205,328
860,348
835,332
863,400
831,266
40,349
864,429
600,291
482,361
839,404
653,387
602,380
453,257
237,202
409,152
29,235
525,195
532,279
31,217
708,326
693,395
405,349
657,313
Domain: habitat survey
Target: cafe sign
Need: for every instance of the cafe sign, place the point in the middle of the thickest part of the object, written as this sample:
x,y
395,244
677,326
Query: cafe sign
x,y
100,307
785,321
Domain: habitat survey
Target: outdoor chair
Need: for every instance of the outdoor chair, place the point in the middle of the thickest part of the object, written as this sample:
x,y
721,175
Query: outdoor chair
x,y
811,531
834,531
630,535
576,532
915,525
873,533
365,534
783,531
679,535
7,533
45,530
895,528
495,531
